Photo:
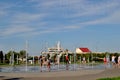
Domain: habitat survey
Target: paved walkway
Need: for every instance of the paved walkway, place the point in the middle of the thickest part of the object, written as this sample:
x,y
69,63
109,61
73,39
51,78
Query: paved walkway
x,y
62,75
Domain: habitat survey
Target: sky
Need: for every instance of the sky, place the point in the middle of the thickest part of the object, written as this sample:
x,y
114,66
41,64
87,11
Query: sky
x,y
75,23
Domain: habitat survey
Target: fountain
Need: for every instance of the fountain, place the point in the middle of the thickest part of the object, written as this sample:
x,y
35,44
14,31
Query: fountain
x,y
60,67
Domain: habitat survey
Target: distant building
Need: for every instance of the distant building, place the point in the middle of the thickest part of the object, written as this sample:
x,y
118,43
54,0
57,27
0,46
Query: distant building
x,y
82,50
56,50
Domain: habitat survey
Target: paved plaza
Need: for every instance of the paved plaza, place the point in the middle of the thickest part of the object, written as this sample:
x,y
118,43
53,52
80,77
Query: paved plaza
x,y
62,75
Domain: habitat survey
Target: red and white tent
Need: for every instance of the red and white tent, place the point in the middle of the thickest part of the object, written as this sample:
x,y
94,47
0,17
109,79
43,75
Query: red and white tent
x,y
82,50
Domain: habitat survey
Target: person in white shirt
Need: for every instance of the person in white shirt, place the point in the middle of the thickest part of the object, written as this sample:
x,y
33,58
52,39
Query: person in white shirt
x,y
118,61
113,60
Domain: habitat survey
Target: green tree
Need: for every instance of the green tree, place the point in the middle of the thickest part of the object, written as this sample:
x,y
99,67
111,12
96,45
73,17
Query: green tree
x,y
1,56
15,55
22,54
6,58
9,54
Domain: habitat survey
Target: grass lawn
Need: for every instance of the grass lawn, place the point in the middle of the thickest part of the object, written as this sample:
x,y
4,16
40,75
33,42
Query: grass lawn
x,y
114,78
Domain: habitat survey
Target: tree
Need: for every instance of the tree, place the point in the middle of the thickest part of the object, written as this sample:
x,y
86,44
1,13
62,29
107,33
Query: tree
x,y
15,55
6,59
1,56
22,54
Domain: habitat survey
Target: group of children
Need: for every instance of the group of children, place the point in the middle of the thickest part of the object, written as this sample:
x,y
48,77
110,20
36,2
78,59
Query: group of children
x,y
115,59
46,61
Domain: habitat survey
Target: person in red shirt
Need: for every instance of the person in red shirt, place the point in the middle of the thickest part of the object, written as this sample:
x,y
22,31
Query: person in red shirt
x,y
67,61
105,61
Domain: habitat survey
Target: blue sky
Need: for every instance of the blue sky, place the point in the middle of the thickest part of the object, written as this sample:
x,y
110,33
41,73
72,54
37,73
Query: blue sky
x,y
75,23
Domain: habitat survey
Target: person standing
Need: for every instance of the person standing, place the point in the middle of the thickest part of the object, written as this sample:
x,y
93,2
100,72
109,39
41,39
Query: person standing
x,y
41,62
113,60
49,64
119,61
116,61
67,61
84,60
105,62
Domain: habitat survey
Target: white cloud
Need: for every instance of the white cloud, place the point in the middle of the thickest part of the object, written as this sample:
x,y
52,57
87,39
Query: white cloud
x,y
111,19
81,8
47,30
71,27
16,29
85,9
26,17
49,5
71,10
4,9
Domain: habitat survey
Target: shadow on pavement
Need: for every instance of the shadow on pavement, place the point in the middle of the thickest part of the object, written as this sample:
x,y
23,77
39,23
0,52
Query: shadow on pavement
x,y
14,79
2,76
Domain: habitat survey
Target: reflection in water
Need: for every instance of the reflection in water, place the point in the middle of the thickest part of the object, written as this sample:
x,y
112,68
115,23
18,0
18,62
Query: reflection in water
x,y
53,68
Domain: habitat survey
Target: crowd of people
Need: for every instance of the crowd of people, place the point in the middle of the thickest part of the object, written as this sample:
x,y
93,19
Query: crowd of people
x,y
115,60
47,61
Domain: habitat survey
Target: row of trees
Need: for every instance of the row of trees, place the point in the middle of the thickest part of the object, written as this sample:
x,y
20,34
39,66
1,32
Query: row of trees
x,y
5,58
97,57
